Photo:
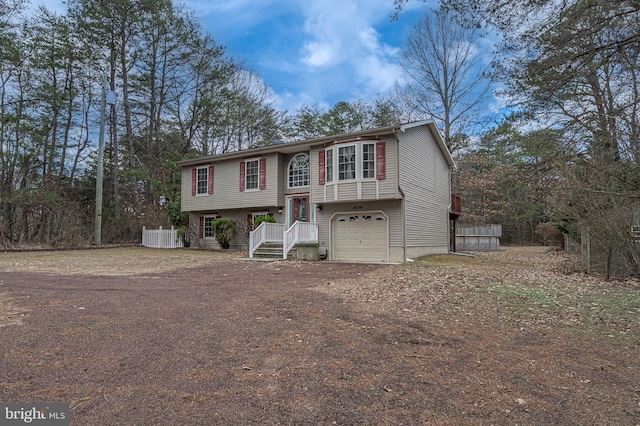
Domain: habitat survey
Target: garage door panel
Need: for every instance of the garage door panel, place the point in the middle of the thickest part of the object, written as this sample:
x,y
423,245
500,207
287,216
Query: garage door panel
x,y
360,237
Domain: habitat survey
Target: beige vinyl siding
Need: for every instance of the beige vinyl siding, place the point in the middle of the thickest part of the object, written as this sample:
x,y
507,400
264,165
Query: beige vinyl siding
x,y
227,194
392,208
369,189
425,182
285,174
347,191
363,189
316,191
389,187
283,162
330,194
240,217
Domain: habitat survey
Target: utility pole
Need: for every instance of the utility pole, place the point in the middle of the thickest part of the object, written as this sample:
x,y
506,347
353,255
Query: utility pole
x,y
97,239
97,235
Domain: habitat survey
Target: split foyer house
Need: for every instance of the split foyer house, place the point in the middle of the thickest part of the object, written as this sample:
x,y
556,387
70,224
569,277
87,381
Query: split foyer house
x,y
376,195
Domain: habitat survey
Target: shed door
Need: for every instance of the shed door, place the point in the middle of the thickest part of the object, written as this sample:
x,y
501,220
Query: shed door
x,y
361,237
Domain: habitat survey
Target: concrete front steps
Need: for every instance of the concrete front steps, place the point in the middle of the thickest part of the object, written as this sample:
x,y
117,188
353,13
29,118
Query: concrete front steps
x,y
274,251
269,251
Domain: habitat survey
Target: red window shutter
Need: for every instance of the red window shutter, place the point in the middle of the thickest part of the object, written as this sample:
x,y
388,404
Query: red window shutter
x,y
322,171
194,178
262,177
381,162
242,176
201,230
210,189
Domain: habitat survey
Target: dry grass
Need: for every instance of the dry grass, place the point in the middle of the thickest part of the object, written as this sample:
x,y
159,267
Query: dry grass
x,y
532,287
510,337
110,261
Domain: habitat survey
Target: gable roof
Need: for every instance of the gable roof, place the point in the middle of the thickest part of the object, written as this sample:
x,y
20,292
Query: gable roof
x,y
292,147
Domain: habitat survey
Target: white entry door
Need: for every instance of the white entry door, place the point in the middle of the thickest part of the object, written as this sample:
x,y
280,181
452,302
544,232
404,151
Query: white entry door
x,y
361,237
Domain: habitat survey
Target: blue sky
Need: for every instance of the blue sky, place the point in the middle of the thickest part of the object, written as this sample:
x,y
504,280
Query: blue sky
x,y
309,51
313,51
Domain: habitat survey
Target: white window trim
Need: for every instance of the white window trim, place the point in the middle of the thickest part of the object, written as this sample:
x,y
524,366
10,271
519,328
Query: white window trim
x,y
333,167
359,146
246,180
375,160
289,171
311,209
337,162
204,225
206,186
256,214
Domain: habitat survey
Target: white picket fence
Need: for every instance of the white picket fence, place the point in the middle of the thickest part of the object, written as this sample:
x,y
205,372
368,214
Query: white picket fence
x,y
161,238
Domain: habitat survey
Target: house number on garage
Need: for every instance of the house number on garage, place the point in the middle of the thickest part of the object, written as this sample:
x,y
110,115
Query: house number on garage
x,y
357,207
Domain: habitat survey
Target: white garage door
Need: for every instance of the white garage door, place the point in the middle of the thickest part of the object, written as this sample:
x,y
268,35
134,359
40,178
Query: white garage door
x,y
361,237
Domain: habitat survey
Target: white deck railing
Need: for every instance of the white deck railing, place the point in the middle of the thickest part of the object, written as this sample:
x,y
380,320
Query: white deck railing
x,y
300,232
161,238
265,233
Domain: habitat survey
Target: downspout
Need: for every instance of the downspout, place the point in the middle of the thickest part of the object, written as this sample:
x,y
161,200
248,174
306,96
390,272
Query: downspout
x,y
449,218
449,227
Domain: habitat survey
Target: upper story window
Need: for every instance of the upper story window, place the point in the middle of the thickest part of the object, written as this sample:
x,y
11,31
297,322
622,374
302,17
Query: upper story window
x,y
202,181
360,160
299,171
253,174
329,163
252,170
368,161
346,162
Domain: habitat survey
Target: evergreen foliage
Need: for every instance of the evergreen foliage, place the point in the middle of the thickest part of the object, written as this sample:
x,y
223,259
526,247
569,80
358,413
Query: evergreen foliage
x,y
224,229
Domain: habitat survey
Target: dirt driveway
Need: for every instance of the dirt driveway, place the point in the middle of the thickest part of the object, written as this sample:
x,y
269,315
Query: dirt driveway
x,y
147,337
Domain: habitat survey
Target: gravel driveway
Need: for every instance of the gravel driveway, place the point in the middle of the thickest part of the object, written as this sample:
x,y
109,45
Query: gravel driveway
x,y
240,342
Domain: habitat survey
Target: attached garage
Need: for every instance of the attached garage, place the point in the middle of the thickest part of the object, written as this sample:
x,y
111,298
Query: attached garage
x,y
361,236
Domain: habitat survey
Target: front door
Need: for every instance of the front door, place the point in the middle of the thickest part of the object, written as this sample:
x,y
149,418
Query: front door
x,y
300,208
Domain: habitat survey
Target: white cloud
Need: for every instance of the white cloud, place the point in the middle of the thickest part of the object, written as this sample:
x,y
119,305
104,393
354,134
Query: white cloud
x,y
341,43
319,54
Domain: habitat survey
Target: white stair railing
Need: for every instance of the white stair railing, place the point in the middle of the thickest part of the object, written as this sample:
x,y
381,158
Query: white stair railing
x,y
300,232
265,233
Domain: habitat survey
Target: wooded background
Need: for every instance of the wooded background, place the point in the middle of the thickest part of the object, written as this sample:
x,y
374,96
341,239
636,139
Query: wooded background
x,y
560,156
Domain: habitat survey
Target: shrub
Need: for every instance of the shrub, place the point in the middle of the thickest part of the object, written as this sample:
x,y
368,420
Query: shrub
x,y
224,229
550,234
259,219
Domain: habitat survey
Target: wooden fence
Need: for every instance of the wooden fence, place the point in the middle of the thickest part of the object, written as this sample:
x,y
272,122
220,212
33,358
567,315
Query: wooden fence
x,y
478,238
161,238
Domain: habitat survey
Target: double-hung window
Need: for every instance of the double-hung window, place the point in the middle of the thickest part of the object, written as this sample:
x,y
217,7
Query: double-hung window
x,y
252,170
207,231
368,161
329,163
347,162
353,161
202,181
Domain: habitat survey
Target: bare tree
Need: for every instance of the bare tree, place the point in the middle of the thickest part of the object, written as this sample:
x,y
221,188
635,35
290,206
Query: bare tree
x,y
446,73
